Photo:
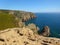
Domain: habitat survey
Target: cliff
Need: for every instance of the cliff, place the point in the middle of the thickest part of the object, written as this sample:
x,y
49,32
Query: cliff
x,y
14,18
23,15
25,36
20,34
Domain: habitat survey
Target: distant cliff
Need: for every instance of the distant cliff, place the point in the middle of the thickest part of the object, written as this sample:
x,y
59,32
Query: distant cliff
x,y
20,14
14,18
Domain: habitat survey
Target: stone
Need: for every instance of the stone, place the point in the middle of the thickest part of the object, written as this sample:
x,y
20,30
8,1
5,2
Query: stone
x,y
33,27
45,31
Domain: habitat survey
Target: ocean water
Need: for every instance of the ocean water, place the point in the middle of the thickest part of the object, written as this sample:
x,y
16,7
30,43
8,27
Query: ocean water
x,y
50,19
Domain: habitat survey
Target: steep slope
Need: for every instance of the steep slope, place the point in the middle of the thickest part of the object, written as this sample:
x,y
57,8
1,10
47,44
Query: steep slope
x,y
25,36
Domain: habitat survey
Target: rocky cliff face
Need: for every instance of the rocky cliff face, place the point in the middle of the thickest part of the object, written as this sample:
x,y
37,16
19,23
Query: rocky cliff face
x,y
25,36
24,16
19,18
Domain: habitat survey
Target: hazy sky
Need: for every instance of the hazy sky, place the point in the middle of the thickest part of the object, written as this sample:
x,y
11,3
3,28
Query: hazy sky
x,y
31,5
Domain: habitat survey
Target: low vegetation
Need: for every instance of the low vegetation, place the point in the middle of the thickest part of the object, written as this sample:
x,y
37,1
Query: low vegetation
x,y
7,21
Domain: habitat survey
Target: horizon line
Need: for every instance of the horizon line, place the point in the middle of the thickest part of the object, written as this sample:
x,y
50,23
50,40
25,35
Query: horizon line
x,y
31,11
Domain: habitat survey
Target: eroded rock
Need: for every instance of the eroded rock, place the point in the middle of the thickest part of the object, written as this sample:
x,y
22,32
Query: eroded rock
x,y
33,27
45,31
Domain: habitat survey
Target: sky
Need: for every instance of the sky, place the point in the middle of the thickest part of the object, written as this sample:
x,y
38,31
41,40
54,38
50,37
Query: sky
x,y
31,5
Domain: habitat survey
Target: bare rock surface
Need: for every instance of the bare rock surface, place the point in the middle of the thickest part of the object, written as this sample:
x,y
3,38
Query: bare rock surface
x,y
45,31
25,36
33,27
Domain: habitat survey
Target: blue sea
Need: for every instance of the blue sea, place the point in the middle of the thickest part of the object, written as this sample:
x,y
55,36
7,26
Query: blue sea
x,y
50,19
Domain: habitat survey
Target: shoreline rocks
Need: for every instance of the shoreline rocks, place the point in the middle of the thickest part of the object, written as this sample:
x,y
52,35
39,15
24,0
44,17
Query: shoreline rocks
x,y
28,17
45,31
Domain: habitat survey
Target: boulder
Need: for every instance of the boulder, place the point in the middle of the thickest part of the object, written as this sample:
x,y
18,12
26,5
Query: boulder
x,y
33,27
45,31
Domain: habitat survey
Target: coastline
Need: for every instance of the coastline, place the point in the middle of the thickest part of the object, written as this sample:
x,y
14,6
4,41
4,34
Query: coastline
x,y
26,34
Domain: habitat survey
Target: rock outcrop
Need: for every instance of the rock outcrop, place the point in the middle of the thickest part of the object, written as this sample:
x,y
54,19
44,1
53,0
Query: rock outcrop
x,y
25,36
33,27
45,31
24,16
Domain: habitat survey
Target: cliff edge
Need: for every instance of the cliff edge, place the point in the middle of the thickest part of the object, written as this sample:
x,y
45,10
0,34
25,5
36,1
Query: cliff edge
x,y
25,36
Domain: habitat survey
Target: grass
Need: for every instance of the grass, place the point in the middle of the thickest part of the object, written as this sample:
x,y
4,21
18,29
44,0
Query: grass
x,y
7,21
